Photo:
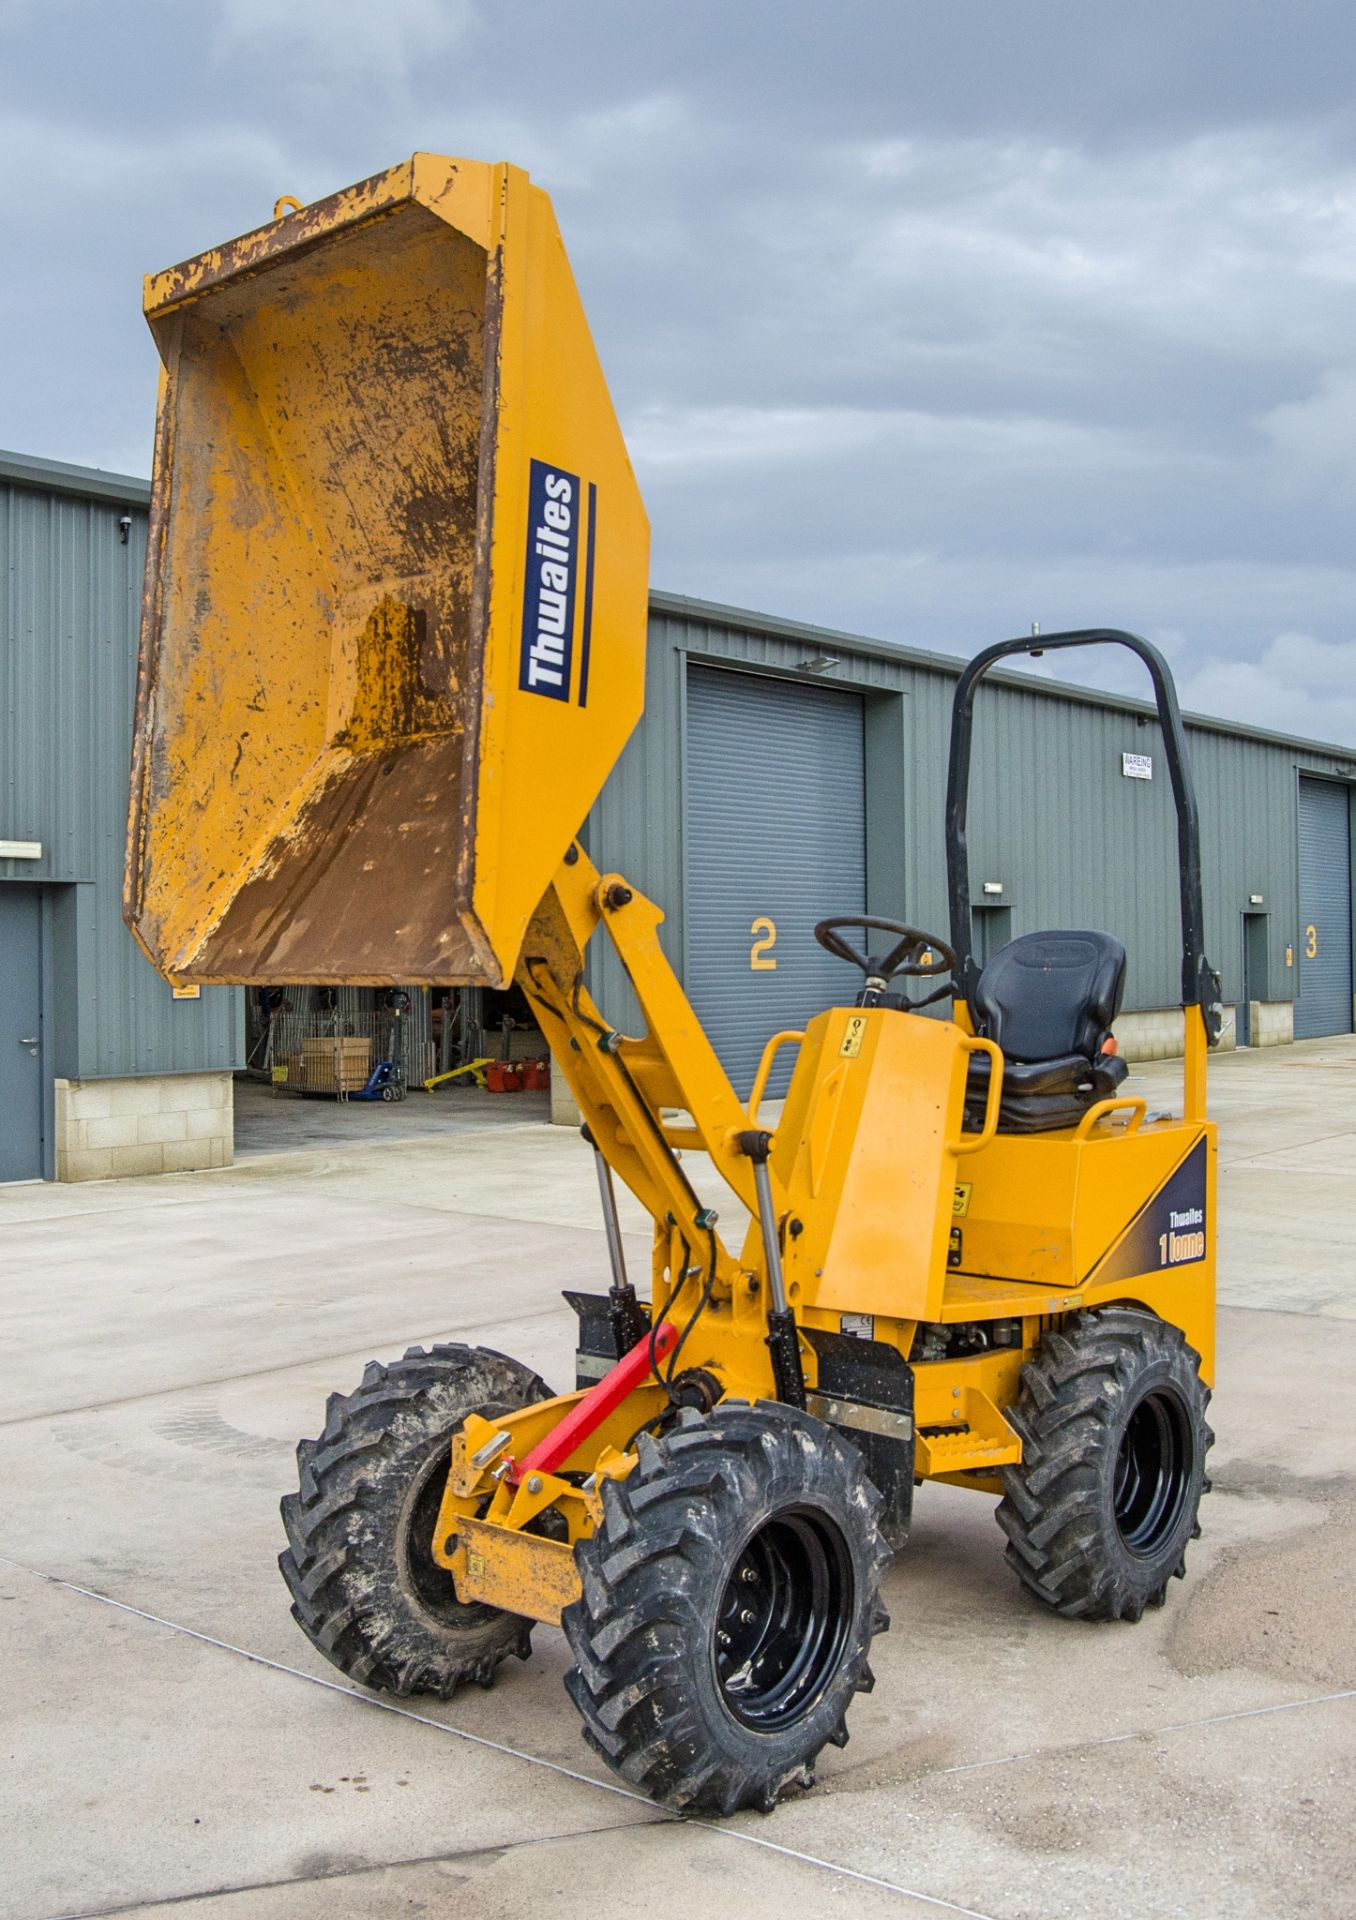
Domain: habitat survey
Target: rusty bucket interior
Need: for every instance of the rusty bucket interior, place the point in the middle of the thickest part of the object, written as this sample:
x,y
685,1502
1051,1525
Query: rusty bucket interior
x,y
336,514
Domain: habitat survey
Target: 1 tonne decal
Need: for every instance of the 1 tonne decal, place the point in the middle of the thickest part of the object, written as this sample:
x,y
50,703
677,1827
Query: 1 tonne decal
x,y
1169,1231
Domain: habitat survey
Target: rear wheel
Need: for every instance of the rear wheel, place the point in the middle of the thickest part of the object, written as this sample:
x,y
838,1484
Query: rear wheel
x,y
729,1601
359,1563
1100,1509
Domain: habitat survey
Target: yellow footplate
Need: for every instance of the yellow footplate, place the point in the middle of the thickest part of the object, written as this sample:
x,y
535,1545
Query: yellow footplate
x,y
976,1437
965,1452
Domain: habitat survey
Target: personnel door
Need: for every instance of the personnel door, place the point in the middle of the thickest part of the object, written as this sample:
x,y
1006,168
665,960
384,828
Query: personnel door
x,y
1256,974
21,1078
776,840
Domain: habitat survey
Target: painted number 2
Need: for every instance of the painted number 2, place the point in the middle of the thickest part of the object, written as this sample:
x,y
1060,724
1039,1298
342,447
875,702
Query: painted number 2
x,y
760,953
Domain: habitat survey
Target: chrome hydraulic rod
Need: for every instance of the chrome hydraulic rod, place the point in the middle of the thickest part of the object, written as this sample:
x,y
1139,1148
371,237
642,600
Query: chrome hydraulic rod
x,y
772,1252
783,1338
611,1224
628,1318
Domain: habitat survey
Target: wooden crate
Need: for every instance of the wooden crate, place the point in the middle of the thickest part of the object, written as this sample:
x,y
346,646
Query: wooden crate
x,y
342,1064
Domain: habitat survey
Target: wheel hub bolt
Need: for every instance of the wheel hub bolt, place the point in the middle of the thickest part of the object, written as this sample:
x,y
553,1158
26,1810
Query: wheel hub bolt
x,y
749,1575
722,1638
747,1617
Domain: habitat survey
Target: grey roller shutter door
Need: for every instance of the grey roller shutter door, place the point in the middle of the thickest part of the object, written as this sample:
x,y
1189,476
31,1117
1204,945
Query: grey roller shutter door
x,y
1324,954
775,840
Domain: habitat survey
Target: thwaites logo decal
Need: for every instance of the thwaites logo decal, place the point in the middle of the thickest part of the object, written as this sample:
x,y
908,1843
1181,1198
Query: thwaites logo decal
x,y
557,512
1170,1231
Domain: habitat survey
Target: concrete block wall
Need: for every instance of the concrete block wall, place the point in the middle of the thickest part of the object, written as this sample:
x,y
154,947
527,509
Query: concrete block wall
x,y
155,1123
1272,1022
564,1107
1160,1034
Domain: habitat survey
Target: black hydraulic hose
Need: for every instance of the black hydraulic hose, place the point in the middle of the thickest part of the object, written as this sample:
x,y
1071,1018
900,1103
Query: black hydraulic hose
x,y
703,1302
680,1282
1200,984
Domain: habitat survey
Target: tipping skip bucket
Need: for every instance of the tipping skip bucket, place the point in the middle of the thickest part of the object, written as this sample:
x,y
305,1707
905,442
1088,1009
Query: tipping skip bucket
x,y
394,630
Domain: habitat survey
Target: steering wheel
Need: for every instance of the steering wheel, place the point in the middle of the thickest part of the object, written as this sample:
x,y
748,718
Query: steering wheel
x,y
916,955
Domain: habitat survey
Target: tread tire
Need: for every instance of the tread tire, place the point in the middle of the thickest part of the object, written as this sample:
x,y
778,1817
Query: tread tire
x,y
655,1576
1077,1399
362,1593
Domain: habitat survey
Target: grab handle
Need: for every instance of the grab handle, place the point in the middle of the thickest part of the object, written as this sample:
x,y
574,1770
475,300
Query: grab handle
x,y
764,1073
972,1142
1104,1107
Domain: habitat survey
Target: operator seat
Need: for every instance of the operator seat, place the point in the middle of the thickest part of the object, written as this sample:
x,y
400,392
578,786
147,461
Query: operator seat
x,y
1048,1000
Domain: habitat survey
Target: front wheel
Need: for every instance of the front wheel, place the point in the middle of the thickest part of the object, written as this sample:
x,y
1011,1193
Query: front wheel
x,y
728,1605
366,1590
1099,1510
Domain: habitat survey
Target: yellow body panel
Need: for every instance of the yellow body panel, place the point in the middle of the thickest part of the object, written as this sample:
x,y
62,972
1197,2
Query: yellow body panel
x,y
874,1108
1046,1209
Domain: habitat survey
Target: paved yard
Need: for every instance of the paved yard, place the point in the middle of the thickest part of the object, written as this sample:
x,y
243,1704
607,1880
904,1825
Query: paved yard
x,y
173,1747
268,1121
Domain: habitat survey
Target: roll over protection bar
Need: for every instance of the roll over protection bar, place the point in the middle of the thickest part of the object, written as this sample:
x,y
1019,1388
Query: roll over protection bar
x,y
1200,983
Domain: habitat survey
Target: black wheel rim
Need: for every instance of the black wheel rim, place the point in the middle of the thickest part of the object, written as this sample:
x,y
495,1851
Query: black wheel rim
x,y
431,1585
783,1620
1153,1472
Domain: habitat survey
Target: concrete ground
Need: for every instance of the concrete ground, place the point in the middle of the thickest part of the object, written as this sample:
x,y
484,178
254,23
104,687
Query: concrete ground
x,y
267,1121
173,1746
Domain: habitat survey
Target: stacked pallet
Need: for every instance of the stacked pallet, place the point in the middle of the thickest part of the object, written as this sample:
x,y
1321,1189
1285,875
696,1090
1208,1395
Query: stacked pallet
x,y
330,1063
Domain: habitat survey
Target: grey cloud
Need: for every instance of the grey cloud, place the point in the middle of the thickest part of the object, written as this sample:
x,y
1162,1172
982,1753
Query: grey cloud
x,y
923,320
337,37
1316,437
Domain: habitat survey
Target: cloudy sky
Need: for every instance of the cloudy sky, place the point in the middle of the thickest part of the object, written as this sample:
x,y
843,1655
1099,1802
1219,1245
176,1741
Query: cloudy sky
x,y
925,319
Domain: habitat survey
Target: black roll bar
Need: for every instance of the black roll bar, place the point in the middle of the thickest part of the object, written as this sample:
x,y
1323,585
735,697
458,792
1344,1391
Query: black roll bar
x,y
1200,983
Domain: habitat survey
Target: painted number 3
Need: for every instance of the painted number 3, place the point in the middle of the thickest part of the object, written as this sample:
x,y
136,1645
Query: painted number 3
x,y
760,953
1311,943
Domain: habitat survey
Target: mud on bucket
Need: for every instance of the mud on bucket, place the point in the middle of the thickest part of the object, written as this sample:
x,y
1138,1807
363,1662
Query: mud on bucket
x,y
394,629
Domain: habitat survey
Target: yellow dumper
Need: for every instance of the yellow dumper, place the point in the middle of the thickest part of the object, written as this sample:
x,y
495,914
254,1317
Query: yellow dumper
x,y
393,644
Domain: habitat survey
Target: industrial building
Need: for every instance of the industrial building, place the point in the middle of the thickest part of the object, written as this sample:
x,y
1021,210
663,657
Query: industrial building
x,y
828,753
104,1071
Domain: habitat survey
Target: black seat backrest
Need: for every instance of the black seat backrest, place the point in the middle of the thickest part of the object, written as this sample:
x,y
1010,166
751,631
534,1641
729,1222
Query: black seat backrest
x,y
1049,994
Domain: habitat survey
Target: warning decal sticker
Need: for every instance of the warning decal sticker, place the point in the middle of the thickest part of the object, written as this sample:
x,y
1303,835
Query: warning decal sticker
x,y
852,1039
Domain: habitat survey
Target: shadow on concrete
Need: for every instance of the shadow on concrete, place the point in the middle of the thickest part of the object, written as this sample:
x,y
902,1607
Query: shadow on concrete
x,y
269,1122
